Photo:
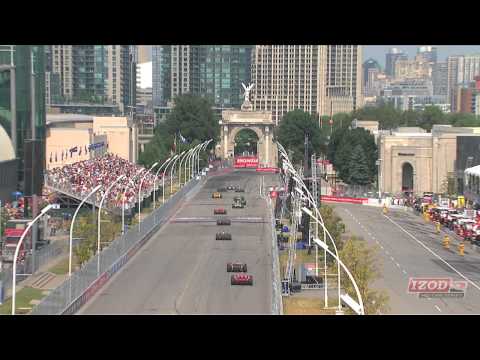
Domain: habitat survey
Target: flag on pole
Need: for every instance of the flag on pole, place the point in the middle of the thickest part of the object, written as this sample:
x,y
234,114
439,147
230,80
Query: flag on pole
x,y
50,157
85,149
62,155
184,141
56,156
174,147
80,152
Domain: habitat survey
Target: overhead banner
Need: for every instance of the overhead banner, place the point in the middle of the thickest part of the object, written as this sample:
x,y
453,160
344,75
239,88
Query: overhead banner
x,y
246,162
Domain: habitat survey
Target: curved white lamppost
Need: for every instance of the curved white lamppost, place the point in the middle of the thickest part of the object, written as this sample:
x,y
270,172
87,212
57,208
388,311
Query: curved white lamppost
x,y
130,181
171,172
155,179
140,194
99,219
172,160
17,250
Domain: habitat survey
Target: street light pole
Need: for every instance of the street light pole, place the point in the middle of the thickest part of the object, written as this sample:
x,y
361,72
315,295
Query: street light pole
x,y
163,177
171,172
17,250
140,194
187,160
71,228
130,181
180,166
155,179
99,220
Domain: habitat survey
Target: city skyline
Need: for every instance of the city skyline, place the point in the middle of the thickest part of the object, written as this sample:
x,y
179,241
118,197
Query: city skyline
x,y
378,52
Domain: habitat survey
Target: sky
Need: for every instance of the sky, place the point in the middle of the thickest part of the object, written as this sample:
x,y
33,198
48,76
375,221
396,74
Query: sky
x,y
378,51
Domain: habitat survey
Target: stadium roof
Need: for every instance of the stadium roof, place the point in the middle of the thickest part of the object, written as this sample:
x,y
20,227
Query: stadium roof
x,y
61,118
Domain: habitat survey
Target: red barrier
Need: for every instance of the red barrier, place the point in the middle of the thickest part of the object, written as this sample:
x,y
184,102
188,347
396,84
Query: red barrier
x,y
268,169
246,161
344,199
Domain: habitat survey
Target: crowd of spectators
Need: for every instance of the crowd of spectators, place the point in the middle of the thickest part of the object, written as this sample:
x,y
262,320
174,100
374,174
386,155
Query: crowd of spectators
x,y
81,177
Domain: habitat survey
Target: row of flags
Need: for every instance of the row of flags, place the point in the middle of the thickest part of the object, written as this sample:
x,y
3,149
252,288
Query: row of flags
x,y
77,150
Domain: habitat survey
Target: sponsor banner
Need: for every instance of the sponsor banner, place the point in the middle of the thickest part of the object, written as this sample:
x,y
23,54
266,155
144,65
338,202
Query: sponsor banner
x,y
268,169
246,162
344,199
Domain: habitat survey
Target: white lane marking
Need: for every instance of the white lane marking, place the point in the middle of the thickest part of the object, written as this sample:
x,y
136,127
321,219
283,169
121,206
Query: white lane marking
x,y
391,257
381,246
398,265
433,253
436,307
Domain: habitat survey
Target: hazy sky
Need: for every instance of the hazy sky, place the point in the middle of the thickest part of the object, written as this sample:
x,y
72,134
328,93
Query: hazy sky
x,y
378,51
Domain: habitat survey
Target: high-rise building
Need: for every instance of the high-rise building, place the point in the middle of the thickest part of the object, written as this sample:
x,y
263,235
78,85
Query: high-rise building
x,y
92,74
144,53
22,110
417,68
440,78
367,65
462,70
391,58
429,53
320,79
213,71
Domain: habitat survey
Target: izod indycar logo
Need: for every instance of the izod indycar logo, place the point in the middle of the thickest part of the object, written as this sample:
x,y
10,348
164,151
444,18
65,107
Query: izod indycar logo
x,y
437,287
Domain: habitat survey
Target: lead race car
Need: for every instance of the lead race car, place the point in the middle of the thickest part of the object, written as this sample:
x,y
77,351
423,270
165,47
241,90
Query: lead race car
x,y
219,211
241,279
223,236
216,195
236,267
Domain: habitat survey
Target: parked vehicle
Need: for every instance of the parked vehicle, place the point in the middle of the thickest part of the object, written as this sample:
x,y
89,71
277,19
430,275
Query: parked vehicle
x,y
13,232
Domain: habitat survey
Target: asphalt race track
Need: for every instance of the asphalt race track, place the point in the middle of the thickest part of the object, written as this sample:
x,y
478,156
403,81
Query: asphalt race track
x,y
408,247
182,268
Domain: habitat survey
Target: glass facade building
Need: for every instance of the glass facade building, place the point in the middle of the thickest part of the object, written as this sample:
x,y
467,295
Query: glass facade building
x,y
25,59
212,71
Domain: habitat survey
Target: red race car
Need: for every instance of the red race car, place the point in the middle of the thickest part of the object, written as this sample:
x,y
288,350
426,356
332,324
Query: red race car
x,y
236,267
219,211
242,279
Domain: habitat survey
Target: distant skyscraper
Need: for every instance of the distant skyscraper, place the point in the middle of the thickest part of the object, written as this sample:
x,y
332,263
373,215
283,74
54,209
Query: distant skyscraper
x,y
429,53
440,79
316,78
390,59
367,65
462,70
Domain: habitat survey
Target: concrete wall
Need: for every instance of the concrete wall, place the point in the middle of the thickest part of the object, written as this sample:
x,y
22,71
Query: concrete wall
x,y
119,135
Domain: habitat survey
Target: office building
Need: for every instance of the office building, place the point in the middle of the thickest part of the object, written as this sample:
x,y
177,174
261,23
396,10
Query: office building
x,y
462,70
428,53
212,71
144,53
367,65
417,68
391,58
320,79
440,79
22,111
92,74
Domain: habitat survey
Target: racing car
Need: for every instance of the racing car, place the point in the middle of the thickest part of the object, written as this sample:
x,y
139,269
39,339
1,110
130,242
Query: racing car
x,y
216,195
219,211
236,267
223,222
237,204
231,187
222,189
223,236
241,279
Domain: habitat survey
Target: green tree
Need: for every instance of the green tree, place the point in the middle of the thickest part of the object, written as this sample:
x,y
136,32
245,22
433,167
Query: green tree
x,y
194,118
430,116
342,145
334,225
359,173
246,140
362,262
291,134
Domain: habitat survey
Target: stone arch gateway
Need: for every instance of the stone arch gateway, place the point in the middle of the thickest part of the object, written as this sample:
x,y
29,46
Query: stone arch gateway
x,y
260,122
